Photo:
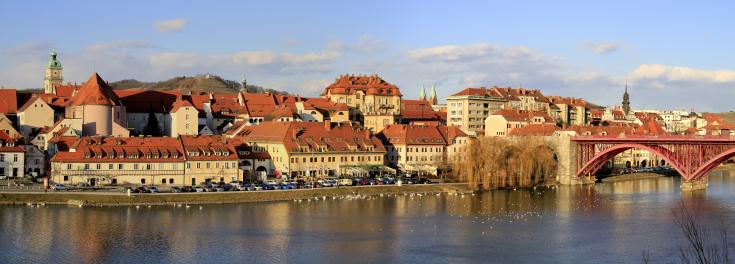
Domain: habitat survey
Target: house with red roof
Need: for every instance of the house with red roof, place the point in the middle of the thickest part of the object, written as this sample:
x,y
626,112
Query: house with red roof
x,y
34,115
12,157
312,150
424,148
372,100
418,110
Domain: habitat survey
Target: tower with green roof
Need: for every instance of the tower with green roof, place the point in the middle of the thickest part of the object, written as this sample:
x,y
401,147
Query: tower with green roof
x,y
54,74
432,97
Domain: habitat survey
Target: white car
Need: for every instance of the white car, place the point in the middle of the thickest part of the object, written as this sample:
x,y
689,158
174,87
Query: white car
x,y
58,187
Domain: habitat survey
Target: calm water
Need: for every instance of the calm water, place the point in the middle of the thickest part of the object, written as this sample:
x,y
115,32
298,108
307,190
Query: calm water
x,y
605,223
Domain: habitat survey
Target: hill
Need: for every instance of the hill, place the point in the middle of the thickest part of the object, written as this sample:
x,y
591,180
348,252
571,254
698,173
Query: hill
x,y
198,83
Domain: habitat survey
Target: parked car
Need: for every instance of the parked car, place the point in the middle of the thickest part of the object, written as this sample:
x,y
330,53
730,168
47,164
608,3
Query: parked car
x,y
362,181
344,182
200,189
153,189
266,186
187,189
228,188
58,187
236,183
424,181
176,189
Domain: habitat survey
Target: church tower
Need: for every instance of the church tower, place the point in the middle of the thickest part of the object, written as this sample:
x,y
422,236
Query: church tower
x,y
432,97
422,93
626,100
244,82
54,74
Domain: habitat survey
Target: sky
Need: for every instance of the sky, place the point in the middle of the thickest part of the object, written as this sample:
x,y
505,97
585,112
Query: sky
x,y
675,55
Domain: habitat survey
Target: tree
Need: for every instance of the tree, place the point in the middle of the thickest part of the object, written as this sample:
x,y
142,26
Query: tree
x,y
151,128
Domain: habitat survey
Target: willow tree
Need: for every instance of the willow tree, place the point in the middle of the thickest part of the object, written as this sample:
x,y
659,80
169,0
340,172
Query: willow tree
x,y
494,162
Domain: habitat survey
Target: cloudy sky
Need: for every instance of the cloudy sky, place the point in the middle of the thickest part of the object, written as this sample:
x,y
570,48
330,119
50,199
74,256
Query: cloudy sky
x,y
675,54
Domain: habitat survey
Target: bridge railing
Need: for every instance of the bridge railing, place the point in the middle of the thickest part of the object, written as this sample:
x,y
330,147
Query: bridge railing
x,y
653,137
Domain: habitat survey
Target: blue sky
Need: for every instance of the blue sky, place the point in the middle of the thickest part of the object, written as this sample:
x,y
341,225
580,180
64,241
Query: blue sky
x,y
676,54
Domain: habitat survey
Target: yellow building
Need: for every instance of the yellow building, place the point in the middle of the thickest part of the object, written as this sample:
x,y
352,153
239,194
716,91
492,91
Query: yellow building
x,y
424,148
315,150
366,95
500,123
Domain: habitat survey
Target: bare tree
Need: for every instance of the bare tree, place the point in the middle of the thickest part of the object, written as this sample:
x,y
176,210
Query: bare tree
x,y
700,247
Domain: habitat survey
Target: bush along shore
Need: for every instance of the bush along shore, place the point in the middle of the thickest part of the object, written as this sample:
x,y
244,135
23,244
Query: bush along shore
x,y
113,199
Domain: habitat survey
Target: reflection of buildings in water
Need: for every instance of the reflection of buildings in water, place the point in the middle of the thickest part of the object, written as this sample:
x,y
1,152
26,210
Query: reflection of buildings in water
x,y
652,185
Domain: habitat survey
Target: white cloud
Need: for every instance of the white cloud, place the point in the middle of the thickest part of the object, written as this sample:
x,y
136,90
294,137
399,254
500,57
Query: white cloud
x,y
671,74
172,25
601,48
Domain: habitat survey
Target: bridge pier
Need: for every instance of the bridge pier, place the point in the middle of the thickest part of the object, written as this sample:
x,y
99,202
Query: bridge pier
x,y
693,185
566,152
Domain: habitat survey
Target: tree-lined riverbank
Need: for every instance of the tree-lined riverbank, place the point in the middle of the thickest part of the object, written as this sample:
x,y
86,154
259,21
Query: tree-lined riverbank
x,y
111,199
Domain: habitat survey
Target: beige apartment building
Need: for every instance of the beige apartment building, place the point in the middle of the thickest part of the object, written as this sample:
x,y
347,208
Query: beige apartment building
x,y
469,108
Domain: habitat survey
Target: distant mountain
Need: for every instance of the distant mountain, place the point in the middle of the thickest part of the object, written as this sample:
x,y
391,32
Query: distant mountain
x,y
198,83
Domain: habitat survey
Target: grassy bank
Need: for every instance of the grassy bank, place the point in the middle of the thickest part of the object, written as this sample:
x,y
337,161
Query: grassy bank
x,y
107,199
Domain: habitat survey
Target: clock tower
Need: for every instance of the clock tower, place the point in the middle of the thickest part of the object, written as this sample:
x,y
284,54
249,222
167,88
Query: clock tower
x,y
54,74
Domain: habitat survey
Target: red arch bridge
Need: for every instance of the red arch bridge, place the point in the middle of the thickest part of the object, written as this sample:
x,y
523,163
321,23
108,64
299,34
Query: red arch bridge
x,y
693,157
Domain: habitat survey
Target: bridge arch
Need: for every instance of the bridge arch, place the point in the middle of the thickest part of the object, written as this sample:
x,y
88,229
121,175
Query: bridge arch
x,y
597,161
712,163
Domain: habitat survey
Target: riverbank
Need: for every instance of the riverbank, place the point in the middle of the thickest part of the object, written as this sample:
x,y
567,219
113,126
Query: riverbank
x,y
114,199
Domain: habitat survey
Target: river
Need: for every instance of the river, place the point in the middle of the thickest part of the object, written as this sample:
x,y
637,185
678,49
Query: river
x,y
602,223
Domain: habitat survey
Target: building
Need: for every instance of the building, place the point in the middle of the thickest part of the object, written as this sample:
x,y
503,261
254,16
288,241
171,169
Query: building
x,y
419,111
313,150
96,110
12,158
469,108
372,101
33,115
54,74
424,148
503,121
187,160
210,158
524,99
572,111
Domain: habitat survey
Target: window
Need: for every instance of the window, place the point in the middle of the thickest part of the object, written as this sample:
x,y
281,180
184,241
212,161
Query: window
x,y
66,178
135,166
142,181
99,166
86,166
15,157
68,166
199,165
163,181
171,181
109,166
188,165
119,166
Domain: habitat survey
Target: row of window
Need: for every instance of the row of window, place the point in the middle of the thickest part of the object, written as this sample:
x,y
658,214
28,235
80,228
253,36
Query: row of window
x,y
15,157
334,159
149,166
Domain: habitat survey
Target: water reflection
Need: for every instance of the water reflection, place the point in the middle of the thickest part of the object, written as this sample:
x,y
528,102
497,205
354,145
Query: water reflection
x,y
608,222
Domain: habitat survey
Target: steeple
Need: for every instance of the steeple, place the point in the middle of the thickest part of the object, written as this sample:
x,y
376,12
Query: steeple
x,y
244,83
422,93
626,99
432,97
54,74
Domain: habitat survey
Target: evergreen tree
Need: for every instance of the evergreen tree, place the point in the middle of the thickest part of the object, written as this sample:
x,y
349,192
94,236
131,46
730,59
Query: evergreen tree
x,y
151,128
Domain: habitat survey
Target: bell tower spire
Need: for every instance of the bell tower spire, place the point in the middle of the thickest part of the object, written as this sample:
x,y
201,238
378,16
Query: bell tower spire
x,y
422,93
54,74
626,99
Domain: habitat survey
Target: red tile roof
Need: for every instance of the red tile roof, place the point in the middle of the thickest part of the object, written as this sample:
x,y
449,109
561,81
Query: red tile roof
x,y
179,104
208,148
482,91
5,139
65,90
534,130
145,101
259,104
424,134
95,91
567,100
650,127
512,94
368,84
515,115
418,110
8,101
122,149
313,135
